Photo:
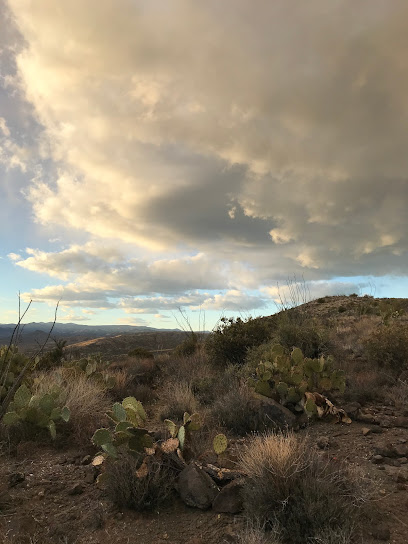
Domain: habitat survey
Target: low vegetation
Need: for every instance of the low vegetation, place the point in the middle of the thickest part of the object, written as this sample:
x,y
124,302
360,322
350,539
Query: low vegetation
x,y
290,489
150,416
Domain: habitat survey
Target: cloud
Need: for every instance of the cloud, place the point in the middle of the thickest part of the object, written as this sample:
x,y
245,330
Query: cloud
x,y
73,317
135,321
229,147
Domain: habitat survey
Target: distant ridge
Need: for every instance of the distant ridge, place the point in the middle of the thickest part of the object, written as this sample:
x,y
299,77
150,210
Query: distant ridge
x,y
73,333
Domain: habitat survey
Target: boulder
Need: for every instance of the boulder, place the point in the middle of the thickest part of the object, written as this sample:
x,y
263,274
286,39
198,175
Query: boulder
x,y
273,414
229,500
196,488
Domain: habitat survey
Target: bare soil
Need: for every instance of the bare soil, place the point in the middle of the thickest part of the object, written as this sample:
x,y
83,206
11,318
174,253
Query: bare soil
x,y
47,498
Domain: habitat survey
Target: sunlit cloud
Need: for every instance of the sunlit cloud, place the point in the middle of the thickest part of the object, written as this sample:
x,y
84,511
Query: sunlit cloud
x,y
208,150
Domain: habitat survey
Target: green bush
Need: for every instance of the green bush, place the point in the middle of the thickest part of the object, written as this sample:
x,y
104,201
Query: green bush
x,y
387,347
188,347
230,342
307,335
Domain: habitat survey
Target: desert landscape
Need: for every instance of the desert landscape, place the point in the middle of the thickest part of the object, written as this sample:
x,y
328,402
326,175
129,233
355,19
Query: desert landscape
x,y
204,272
208,443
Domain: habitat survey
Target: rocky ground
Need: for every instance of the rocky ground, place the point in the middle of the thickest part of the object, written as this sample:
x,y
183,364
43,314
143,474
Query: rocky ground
x,y
51,496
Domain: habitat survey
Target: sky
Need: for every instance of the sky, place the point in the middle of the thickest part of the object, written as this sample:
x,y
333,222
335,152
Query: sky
x,y
167,155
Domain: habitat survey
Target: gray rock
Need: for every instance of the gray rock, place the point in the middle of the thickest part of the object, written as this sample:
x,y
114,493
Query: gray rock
x,y
274,414
196,488
229,500
401,422
352,409
377,459
90,475
401,450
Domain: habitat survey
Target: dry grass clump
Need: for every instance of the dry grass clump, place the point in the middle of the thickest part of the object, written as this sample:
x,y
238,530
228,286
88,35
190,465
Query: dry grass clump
x,y
291,488
139,370
398,395
364,384
255,534
236,412
176,398
86,398
126,489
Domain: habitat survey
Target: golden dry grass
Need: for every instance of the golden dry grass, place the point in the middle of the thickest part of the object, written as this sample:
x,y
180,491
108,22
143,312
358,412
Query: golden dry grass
x,y
87,399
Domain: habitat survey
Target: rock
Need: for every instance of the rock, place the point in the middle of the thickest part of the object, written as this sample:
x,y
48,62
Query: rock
x,y
366,431
391,462
196,488
15,478
352,409
367,418
377,429
323,442
401,422
77,489
229,500
221,475
386,451
90,475
377,459
401,450
86,460
403,460
273,414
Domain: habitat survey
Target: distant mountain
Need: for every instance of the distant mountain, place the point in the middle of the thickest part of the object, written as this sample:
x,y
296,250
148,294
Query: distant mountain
x,y
32,334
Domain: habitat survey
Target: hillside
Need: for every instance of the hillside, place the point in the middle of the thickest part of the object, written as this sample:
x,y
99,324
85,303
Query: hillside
x,y
33,334
331,472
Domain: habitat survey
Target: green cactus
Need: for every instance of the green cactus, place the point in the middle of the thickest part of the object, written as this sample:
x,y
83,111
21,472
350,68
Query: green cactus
x,y
95,368
190,423
129,418
220,443
287,377
41,411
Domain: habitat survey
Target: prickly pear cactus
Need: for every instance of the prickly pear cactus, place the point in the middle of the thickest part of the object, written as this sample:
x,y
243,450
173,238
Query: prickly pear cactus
x,y
220,443
190,423
128,417
95,368
287,377
40,410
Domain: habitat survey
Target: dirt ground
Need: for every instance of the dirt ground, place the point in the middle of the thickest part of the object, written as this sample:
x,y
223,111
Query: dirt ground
x,y
48,495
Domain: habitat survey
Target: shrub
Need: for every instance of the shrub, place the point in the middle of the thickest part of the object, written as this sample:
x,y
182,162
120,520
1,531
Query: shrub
x,y
290,487
175,399
237,412
364,385
230,342
54,357
126,489
86,399
398,395
188,347
387,347
310,337
141,353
